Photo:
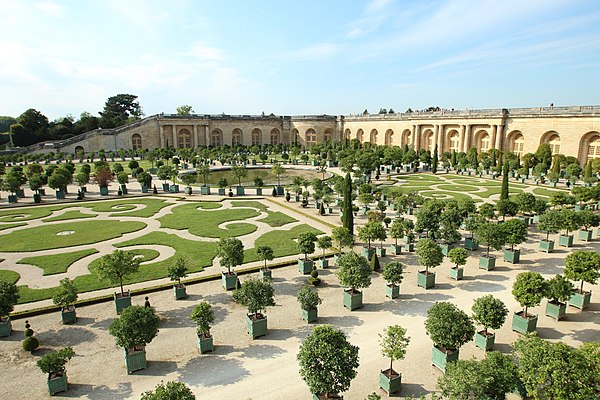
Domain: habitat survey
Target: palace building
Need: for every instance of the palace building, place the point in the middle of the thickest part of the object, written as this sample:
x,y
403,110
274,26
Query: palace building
x,y
572,131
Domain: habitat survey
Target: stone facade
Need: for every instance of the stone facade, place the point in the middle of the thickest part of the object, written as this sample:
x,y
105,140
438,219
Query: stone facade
x,y
571,131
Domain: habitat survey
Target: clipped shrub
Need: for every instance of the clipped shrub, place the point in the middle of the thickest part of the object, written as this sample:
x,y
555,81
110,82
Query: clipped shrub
x,y
30,343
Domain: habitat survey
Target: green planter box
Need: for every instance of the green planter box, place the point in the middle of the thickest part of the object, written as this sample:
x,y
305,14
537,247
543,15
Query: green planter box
x,y
265,274
426,281
124,189
165,187
205,344
259,191
174,189
135,360
395,249
103,191
37,198
60,195
256,328
446,248
5,327
556,310
228,280
380,251
585,235
305,266
487,263
440,358
565,241
58,384
457,273
188,190
324,263
471,244
525,219
409,247
221,191
144,189
391,384
206,189
580,300
240,190
392,291
353,301
485,342
524,325
546,246
512,256
122,302
179,292
280,190
310,315
68,315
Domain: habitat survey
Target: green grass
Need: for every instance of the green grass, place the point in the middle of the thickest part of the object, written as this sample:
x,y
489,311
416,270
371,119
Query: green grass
x,y
440,194
145,255
282,242
421,178
457,188
277,218
250,204
56,263
120,208
8,226
205,223
29,213
9,276
544,192
70,214
86,232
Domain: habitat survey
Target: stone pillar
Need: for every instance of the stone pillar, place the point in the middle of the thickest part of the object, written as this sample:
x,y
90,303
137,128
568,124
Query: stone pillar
x,y
206,138
494,138
463,139
414,137
174,136
469,138
195,136
417,138
498,138
161,134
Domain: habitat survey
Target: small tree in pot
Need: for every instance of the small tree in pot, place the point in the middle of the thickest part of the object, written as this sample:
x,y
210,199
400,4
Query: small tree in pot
x,y
9,296
265,253
430,255
515,232
582,266
551,222
230,252
169,391
309,301
354,273
393,275
328,362
342,236
396,232
458,256
491,313
306,244
145,181
203,316
528,289
587,219
65,298
176,272
449,328
371,231
558,291
393,344
133,330
256,294
53,364
114,268
324,243
493,236
570,222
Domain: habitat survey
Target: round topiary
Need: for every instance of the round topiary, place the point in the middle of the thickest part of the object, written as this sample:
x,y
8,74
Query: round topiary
x,y
30,343
314,273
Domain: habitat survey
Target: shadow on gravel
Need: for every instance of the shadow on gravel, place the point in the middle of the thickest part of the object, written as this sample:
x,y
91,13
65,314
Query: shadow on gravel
x,y
262,351
122,391
212,370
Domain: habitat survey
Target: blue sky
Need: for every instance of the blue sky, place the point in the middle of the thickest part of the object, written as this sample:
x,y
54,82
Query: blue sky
x,y
302,57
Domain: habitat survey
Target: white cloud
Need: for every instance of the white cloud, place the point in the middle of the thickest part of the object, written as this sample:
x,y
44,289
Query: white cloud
x,y
206,53
51,9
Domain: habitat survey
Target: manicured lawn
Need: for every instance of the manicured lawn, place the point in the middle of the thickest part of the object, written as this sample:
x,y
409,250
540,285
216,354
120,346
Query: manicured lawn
x,y
282,242
57,263
70,214
8,226
457,188
277,218
9,276
145,255
250,204
440,194
120,208
29,213
205,223
46,237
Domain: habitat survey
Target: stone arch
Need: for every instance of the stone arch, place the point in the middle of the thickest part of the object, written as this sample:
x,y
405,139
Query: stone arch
x,y
274,138
347,134
453,140
256,137
406,137
373,136
553,139
295,135
482,140
237,137
389,137
359,135
311,137
80,150
516,142
184,139
216,138
589,146
428,140
327,135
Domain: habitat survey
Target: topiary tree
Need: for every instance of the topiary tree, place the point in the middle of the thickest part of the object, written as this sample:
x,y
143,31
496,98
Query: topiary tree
x,y
203,315
230,252
116,266
9,296
393,273
54,363
342,236
583,266
393,344
328,362
515,232
528,289
429,254
558,289
144,178
135,328
256,294
458,256
570,220
308,298
306,243
448,326
492,235
178,270
169,391
30,343
551,222
265,253
396,230
354,271
371,231
489,312
239,171
66,295
324,243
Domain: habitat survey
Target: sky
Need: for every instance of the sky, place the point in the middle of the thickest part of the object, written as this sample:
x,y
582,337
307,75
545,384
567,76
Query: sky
x,y
297,58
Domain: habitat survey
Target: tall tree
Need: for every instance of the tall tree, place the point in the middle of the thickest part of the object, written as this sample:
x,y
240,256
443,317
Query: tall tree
x,y
434,163
504,190
35,127
347,212
120,109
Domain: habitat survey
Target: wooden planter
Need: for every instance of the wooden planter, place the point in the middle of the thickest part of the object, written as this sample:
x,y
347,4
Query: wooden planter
x,y
68,315
221,191
165,187
395,249
144,189
565,241
305,266
256,327
174,189
556,310
390,381
324,263
522,324
228,280
471,244
485,342
58,383
546,246
205,189
179,292
440,358
103,191
265,274
240,190
409,247
426,280
512,256
380,251
487,263
135,360
457,273
205,344
392,291
353,299
446,248
368,252
5,327
585,235
122,302
310,315
580,300
60,195
280,190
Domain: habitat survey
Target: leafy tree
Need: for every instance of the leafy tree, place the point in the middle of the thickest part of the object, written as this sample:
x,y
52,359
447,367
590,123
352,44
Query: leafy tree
x,y
230,252
489,312
342,236
525,202
584,266
551,222
178,270
306,243
103,176
528,289
428,218
492,235
393,344
487,211
588,219
396,230
265,253
32,128
203,315
448,326
328,362
458,256
308,298
504,188
507,207
371,231
278,171
9,296
515,231
204,170
347,208
429,254
570,220
559,289
120,109
114,267
393,273
135,328
144,178
54,363
169,391
239,171
185,110
354,271
66,295
324,243
255,294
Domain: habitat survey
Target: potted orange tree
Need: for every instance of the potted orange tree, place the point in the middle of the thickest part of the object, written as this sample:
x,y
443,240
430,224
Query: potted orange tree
x,y
491,313
53,364
306,244
393,343
429,254
176,272
265,253
256,294
309,301
230,252
65,298
114,268
582,266
9,296
528,289
558,291
354,273
392,273
203,316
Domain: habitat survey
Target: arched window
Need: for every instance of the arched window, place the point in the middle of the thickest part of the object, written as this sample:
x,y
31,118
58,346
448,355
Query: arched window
x,y
347,134
256,137
359,135
327,136
236,137
79,151
483,141
406,136
184,139
274,136
454,141
373,136
136,141
518,144
215,138
428,144
295,136
593,150
311,137
388,137
554,142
